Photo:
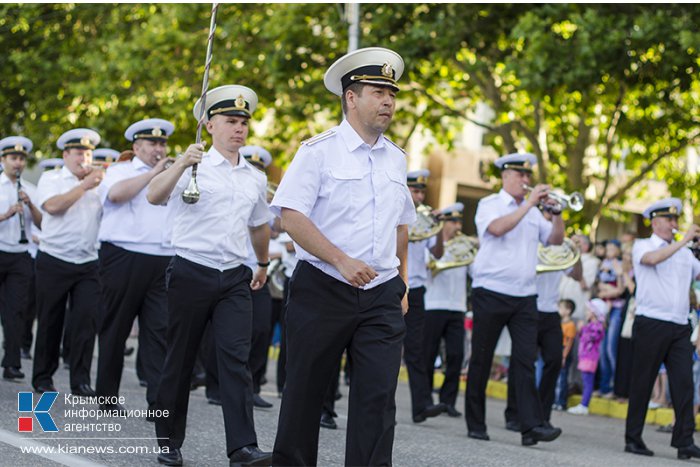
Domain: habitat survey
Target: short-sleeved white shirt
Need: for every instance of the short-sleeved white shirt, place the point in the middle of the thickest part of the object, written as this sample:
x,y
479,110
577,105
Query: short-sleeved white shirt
x,y
506,264
135,225
356,195
662,291
213,232
71,236
10,228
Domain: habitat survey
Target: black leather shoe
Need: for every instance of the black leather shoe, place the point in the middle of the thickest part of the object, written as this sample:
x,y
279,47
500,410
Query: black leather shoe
x,y
83,390
121,410
249,455
513,426
128,351
452,412
480,435
640,449
327,421
25,354
429,412
45,388
174,457
12,372
540,433
688,452
198,381
214,400
260,402
143,383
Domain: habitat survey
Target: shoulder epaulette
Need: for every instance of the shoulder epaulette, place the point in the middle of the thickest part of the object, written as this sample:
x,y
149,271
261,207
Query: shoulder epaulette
x,y
320,137
395,145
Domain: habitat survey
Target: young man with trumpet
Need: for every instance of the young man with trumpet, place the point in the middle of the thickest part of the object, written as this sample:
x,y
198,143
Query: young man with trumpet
x,y
414,356
17,214
446,305
207,280
134,254
510,227
345,203
66,264
664,270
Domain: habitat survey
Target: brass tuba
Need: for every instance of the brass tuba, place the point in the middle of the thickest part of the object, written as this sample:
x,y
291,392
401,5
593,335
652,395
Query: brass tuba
x,y
459,251
557,257
427,225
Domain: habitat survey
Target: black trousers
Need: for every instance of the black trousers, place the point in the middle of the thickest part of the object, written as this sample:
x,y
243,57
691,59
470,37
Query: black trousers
x,y
15,274
654,342
29,314
448,325
324,317
56,282
419,380
198,295
492,312
260,340
282,358
133,284
549,343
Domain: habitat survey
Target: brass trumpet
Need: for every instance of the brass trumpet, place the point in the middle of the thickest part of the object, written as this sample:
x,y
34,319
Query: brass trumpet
x,y
427,225
694,245
574,201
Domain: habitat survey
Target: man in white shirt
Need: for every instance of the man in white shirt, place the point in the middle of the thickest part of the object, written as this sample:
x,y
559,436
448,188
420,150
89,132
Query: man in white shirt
x,y
207,279
134,255
419,381
17,214
664,270
510,227
66,265
345,202
446,305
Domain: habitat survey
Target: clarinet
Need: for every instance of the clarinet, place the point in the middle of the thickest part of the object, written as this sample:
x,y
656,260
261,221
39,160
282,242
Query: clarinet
x,y
22,233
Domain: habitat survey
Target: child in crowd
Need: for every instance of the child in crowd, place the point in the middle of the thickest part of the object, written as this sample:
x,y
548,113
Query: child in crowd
x,y
591,336
568,331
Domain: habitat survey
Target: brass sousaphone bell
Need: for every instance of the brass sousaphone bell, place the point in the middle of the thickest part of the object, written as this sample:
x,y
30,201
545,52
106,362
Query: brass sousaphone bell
x,y
427,225
459,251
557,257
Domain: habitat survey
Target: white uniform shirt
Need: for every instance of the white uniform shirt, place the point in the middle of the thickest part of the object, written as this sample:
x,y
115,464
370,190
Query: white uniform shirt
x,y
289,259
506,264
548,290
356,195
71,236
9,228
252,260
213,232
135,225
447,291
663,290
418,263
571,288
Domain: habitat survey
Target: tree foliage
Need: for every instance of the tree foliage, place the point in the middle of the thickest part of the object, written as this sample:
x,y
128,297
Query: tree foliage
x,y
604,95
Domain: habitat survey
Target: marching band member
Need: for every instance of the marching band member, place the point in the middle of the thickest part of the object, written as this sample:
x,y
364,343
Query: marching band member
x,y
549,340
414,355
207,279
345,203
259,158
446,305
17,214
134,255
66,265
504,294
664,270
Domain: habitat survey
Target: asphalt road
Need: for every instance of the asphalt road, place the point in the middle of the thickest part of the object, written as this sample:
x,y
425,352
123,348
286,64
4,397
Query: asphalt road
x,y
441,441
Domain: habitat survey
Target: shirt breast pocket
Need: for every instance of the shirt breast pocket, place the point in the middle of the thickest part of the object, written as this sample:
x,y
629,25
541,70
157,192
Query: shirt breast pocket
x,y
396,190
344,184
